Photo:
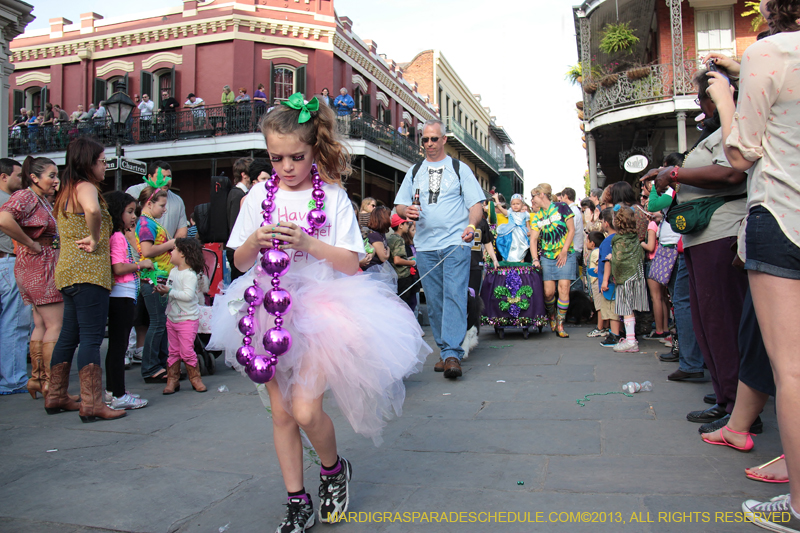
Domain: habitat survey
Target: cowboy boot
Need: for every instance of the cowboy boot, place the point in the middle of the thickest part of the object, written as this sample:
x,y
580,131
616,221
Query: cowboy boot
x,y
92,407
35,383
47,357
194,378
173,378
56,399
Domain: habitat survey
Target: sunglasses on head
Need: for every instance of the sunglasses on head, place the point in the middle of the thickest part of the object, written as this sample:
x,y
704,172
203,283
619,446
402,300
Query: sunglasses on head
x,y
431,139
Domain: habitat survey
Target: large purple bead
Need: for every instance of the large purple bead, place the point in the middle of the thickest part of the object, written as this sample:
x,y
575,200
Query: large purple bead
x,y
277,301
247,325
275,262
316,218
244,354
253,295
268,205
259,369
271,184
277,341
318,194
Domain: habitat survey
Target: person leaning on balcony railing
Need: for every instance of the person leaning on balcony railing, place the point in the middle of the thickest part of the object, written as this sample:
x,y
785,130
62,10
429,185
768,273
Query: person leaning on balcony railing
x,y
344,103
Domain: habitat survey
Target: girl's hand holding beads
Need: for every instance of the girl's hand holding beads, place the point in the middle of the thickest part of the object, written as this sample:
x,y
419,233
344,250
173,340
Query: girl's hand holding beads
x,y
293,236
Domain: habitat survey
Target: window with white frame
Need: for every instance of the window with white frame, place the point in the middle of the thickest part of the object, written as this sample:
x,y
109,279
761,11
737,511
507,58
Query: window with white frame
x,y
714,31
283,82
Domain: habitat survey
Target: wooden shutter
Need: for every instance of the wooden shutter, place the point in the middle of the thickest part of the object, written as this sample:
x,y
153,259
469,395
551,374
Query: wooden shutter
x,y
271,83
300,80
99,91
45,97
19,102
146,84
367,105
172,86
387,117
126,84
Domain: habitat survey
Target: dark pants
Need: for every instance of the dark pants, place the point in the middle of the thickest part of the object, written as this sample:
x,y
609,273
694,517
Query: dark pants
x,y
156,349
120,321
475,278
755,370
85,314
716,292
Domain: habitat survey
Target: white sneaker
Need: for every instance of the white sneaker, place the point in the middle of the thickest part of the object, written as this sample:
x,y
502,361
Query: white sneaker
x,y
136,356
128,362
108,396
128,402
626,346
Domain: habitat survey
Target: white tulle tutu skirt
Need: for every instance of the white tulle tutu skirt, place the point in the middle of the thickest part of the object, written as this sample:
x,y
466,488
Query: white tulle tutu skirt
x,y
351,335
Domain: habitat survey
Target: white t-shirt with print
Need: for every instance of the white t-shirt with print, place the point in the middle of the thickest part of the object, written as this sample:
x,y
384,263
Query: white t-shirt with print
x,y
340,230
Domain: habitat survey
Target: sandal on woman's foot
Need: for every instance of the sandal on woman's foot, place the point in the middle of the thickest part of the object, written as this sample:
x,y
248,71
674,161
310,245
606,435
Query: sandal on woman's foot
x,y
158,378
757,477
748,445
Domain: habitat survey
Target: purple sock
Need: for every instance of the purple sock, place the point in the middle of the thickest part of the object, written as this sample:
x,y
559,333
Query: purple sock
x,y
303,495
331,471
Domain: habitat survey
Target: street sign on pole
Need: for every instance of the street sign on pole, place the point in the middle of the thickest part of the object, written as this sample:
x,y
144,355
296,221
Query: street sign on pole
x,y
127,164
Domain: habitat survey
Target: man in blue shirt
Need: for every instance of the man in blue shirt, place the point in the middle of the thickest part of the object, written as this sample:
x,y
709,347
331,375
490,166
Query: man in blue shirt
x,y
451,206
344,103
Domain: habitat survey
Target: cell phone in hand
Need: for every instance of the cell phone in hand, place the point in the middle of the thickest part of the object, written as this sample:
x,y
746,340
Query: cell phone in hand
x,y
711,66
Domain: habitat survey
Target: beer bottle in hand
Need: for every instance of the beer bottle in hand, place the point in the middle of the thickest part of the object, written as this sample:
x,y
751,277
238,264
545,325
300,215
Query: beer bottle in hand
x,y
416,203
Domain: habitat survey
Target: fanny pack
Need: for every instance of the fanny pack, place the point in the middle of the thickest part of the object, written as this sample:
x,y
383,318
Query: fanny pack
x,y
695,215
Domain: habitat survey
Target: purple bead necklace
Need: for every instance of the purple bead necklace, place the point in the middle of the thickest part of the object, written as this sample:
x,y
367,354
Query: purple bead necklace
x,y
277,301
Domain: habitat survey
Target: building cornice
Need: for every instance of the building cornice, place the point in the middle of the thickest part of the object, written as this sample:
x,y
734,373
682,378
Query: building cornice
x,y
367,65
234,26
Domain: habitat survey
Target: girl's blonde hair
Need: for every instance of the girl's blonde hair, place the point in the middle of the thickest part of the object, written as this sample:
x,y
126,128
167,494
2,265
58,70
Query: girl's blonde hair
x,y
624,220
320,132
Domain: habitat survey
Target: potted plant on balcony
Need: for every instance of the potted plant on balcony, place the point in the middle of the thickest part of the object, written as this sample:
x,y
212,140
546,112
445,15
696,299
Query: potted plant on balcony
x,y
575,73
618,38
590,86
638,72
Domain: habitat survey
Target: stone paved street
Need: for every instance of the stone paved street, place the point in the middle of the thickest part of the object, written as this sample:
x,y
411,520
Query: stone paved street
x,y
203,462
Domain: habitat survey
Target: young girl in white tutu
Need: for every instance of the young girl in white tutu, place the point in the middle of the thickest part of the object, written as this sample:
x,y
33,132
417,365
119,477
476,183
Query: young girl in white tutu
x,y
308,322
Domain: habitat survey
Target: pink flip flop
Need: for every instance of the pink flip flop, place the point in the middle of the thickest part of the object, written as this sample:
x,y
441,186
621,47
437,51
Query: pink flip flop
x,y
748,445
756,477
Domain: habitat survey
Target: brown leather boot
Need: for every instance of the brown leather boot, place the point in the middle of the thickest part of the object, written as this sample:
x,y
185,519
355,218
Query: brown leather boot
x,y
35,383
92,406
194,378
439,366
173,378
56,399
47,357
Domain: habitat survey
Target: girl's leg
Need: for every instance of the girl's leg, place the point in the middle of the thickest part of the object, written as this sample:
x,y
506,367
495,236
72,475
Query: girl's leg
x,y
775,300
151,365
120,321
286,436
658,308
318,426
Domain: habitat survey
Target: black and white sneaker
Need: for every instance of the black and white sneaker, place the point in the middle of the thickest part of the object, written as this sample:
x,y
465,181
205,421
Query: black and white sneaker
x,y
299,517
611,340
334,493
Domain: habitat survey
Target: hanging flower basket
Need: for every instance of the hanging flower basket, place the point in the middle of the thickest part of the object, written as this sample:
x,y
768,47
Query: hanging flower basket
x,y
580,115
608,81
590,87
579,105
638,73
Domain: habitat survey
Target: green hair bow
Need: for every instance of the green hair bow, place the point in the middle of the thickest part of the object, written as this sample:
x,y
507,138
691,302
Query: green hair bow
x,y
159,181
296,101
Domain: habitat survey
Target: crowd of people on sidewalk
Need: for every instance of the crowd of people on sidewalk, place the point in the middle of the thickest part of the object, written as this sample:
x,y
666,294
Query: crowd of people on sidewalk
x,y
703,254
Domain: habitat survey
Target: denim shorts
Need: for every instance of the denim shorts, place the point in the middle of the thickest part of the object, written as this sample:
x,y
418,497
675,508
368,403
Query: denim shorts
x,y
551,271
768,250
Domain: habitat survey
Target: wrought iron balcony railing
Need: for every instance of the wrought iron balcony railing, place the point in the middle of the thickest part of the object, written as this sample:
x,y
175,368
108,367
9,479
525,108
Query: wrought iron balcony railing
x,y
628,91
472,144
210,121
511,162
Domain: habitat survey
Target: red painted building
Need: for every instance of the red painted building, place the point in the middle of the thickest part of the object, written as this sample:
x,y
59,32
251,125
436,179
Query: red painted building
x,y
287,45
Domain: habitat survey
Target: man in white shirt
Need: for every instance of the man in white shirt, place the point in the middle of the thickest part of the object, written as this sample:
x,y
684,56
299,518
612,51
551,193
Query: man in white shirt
x,y
101,110
146,107
197,105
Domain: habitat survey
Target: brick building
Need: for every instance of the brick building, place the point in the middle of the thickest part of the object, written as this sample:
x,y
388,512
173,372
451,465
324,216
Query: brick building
x,y
649,110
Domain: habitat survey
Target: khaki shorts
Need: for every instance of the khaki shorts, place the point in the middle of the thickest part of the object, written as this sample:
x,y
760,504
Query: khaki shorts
x,y
606,307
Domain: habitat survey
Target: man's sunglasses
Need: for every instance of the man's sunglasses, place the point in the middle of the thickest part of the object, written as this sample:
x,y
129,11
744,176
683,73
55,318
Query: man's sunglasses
x,y
431,139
